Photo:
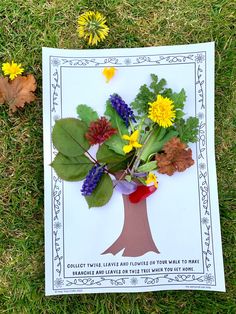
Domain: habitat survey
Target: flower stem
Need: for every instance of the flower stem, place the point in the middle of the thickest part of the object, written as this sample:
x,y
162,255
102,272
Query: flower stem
x,y
137,160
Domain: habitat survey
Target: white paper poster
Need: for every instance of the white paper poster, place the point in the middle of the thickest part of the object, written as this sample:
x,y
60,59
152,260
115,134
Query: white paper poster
x,y
175,243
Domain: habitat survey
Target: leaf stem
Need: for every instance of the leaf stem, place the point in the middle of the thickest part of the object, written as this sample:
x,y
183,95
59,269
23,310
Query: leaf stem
x,y
87,154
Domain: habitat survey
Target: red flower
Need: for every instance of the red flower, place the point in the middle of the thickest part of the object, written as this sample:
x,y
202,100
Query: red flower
x,y
99,131
141,193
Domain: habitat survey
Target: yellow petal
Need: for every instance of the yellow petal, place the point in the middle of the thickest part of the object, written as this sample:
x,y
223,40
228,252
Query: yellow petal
x,y
152,179
137,145
126,137
109,72
134,136
127,148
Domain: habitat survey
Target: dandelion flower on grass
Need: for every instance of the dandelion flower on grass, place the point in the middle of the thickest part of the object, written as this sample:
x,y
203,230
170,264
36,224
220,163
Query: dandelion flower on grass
x,y
92,26
162,111
12,69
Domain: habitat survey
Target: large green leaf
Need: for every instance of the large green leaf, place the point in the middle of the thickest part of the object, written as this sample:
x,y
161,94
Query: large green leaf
x,y
152,143
114,161
102,193
87,114
156,142
115,142
71,168
68,137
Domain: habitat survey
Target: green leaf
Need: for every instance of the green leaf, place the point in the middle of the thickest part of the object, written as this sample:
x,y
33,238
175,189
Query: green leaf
x,y
179,99
188,130
179,114
153,143
149,166
102,193
113,161
148,94
157,87
71,168
115,142
68,137
87,114
106,155
167,93
128,178
140,103
142,180
116,121
156,142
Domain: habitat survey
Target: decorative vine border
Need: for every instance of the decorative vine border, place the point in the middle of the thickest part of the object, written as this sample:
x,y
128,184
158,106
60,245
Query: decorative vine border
x,y
207,278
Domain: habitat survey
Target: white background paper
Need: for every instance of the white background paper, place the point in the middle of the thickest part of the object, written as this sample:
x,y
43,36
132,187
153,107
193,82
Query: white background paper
x,y
183,213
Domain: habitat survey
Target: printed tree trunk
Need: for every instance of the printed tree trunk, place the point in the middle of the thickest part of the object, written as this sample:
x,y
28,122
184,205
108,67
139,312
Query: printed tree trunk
x,y
135,238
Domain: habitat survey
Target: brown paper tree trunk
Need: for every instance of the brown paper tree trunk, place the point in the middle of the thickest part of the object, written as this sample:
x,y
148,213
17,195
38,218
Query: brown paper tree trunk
x,y
135,238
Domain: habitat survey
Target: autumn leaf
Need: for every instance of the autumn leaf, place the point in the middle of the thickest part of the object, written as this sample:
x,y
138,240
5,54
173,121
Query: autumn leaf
x,y
176,157
18,92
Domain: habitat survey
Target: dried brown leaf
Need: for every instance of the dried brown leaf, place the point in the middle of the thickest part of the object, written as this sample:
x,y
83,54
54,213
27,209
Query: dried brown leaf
x,y
176,157
18,92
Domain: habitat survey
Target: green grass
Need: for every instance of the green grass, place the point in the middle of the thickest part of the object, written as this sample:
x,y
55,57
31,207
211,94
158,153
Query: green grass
x,y
26,26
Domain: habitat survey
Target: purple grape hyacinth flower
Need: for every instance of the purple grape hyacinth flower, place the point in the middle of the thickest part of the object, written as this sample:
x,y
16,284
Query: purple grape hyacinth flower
x,y
124,111
92,179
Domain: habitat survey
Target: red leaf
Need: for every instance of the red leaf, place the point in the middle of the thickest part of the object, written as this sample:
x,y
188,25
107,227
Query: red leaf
x,y
141,193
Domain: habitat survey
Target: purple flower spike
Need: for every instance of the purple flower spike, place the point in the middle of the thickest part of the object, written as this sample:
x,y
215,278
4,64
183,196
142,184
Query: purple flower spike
x,y
124,111
92,179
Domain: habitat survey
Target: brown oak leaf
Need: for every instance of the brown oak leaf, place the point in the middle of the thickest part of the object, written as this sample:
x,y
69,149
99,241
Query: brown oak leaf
x,y
18,92
176,157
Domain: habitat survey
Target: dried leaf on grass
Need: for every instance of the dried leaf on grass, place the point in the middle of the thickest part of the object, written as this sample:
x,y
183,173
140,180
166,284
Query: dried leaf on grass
x,y
176,157
18,92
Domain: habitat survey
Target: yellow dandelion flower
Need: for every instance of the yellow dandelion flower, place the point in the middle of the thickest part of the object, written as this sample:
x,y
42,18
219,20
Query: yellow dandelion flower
x,y
92,26
133,142
152,179
109,73
162,111
12,69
